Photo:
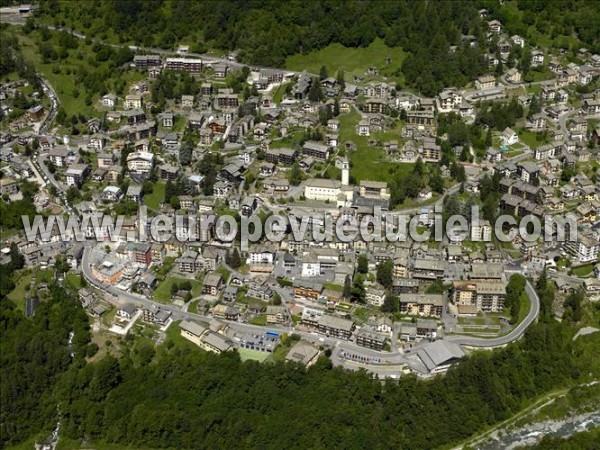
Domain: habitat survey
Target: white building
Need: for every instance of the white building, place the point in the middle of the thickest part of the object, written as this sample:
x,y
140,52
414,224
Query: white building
x,y
375,297
140,162
133,101
322,189
481,231
509,137
586,248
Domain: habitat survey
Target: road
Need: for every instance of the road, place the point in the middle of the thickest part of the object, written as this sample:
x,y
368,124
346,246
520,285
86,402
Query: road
x,y
207,58
514,335
383,364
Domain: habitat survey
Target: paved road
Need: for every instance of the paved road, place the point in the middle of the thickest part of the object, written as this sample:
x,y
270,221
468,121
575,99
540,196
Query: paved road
x,y
383,364
514,335
207,58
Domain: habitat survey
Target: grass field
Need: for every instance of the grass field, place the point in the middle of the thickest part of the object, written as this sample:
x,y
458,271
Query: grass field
x,y
74,280
154,199
17,296
366,162
163,291
253,355
174,336
278,94
530,138
62,74
583,271
353,61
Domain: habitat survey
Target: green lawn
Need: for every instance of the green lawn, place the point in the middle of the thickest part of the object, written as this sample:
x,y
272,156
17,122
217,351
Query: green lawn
x,y
530,138
278,94
163,291
368,162
74,280
539,75
223,272
17,296
583,271
333,287
154,199
260,319
353,61
174,336
524,307
62,75
253,355
193,308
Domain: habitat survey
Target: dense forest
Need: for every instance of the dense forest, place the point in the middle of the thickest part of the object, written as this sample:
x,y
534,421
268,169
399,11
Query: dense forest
x,y
265,32
33,354
177,397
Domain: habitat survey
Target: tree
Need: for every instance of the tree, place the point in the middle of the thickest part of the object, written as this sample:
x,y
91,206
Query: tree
x,y
357,293
323,73
185,153
573,306
235,260
73,194
385,273
341,80
391,304
488,138
525,61
363,264
276,299
347,286
315,94
295,175
535,106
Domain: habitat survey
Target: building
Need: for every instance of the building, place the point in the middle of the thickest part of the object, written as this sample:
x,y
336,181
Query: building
x,y
156,315
485,82
277,315
286,156
8,186
35,113
134,193
212,284
509,137
374,189
426,305
322,189
109,100
366,337
335,326
316,150
438,356
513,76
77,174
133,101
374,296
205,338
140,162
528,171
304,353
190,65
58,156
585,249
146,61
486,296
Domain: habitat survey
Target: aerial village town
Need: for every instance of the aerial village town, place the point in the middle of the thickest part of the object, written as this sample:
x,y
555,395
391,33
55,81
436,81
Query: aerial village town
x,y
209,136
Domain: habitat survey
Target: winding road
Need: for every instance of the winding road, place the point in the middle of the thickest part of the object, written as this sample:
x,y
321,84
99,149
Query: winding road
x,y
391,363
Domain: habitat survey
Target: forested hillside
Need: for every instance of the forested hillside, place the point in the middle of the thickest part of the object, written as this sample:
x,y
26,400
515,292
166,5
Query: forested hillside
x,y
268,31
179,398
33,354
